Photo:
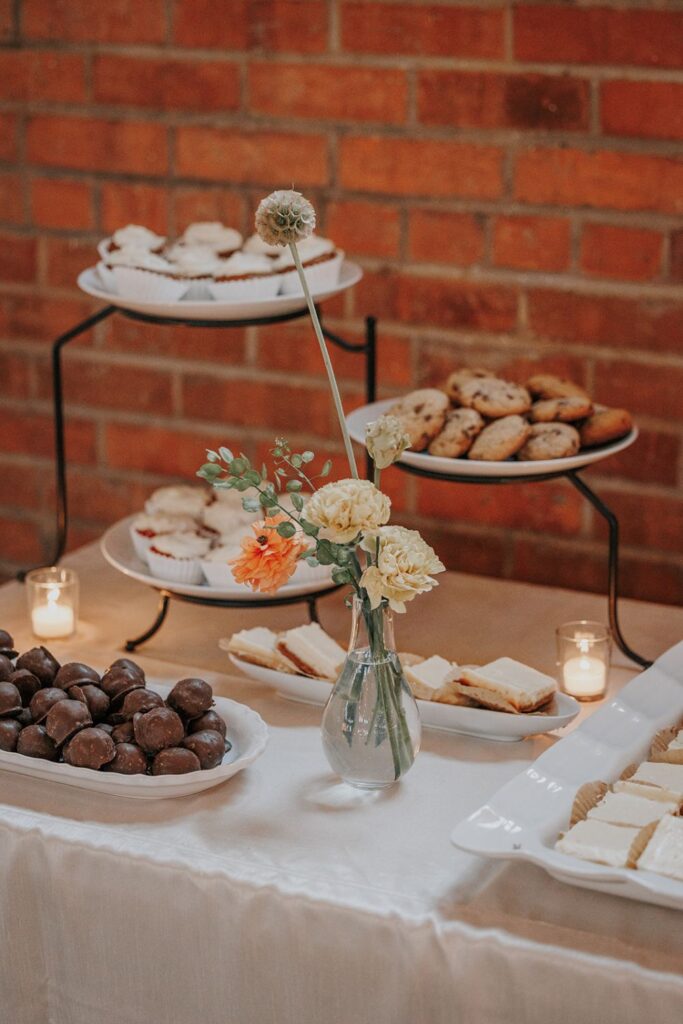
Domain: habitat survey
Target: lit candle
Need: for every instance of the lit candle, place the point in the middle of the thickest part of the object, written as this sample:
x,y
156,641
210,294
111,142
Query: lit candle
x,y
52,619
584,676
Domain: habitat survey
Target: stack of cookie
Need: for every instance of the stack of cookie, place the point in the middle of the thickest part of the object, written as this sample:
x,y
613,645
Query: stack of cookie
x,y
483,417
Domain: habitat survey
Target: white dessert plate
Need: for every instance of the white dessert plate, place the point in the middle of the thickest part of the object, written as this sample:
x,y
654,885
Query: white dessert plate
x,y
246,730
117,547
359,418
488,725
89,281
524,818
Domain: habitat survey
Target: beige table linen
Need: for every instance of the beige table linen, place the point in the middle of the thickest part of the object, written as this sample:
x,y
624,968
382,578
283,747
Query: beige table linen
x,y
284,896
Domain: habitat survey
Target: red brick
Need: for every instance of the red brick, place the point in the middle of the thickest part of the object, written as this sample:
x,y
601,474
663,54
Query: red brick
x,y
415,29
11,206
80,534
628,254
160,450
61,203
653,521
653,459
191,204
651,390
26,433
234,156
134,203
441,302
531,243
598,35
650,580
328,93
217,345
134,147
299,26
66,258
99,385
553,507
21,539
606,320
483,554
15,374
39,318
166,84
32,75
642,109
117,21
6,20
112,498
676,242
26,484
8,137
439,237
465,99
362,228
413,167
17,258
619,181
258,404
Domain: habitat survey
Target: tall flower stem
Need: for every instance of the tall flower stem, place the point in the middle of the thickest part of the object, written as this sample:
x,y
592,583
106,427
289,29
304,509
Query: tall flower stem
x,y
327,361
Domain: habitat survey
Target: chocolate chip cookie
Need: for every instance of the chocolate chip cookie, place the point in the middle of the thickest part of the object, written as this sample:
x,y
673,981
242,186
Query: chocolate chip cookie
x,y
605,425
495,398
501,439
547,385
422,414
561,410
550,441
460,429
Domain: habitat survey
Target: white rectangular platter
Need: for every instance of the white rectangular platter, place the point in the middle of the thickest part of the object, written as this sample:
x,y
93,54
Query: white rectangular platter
x,y
523,819
246,731
490,725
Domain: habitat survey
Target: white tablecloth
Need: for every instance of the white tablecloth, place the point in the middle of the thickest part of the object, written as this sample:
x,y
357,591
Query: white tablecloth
x,y
283,896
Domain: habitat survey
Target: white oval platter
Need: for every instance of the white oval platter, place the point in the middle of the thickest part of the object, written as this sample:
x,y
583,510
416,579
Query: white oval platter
x,y
359,418
480,722
246,731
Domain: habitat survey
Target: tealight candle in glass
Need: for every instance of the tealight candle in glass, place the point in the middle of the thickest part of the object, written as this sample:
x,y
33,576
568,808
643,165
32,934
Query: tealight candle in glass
x,y
52,595
583,650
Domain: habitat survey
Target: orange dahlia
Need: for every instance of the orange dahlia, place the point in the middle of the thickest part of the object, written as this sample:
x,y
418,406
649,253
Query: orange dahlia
x,y
267,560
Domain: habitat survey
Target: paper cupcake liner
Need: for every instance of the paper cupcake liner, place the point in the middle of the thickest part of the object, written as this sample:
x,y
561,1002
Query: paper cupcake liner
x,y
198,291
587,797
639,843
148,285
262,286
141,544
175,570
218,574
319,277
658,750
308,574
106,276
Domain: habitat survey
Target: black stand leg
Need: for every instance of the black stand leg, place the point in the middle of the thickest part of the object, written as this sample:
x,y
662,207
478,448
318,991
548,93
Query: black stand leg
x,y
613,593
312,609
164,598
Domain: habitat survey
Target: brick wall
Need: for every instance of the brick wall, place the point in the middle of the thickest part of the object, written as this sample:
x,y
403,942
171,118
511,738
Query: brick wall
x,y
508,174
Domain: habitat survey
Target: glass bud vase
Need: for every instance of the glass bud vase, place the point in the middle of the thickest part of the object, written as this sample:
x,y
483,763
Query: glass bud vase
x,y
371,725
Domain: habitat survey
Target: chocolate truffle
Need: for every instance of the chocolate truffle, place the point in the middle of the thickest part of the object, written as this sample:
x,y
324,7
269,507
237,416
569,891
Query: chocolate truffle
x,y
75,672
209,720
39,661
96,699
129,760
209,746
128,666
44,700
123,733
26,683
138,701
158,728
90,748
175,761
9,733
6,668
23,718
7,644
117,682
65,718
191,697
109,729
10,700
34,742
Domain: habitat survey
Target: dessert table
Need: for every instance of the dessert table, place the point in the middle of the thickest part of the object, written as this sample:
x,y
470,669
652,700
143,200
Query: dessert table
x,y
283,895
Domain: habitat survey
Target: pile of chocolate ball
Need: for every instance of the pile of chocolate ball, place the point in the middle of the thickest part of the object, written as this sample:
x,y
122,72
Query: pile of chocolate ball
x,y
111,722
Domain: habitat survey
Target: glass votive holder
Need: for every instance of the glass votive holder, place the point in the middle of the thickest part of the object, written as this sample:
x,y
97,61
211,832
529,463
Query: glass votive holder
x,y
52,595
583,651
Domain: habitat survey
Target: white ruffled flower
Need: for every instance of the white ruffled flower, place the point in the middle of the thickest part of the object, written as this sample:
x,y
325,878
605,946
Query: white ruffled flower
x,y
345,508
385,440
405,566
283,217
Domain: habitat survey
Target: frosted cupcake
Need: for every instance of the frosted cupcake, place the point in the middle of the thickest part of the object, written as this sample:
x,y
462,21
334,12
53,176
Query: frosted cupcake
x,y
176,557
197,264
216,565
226,520
132,235
305,573
255,246
321,261
243,277
178,500
223,241
149,278
145,529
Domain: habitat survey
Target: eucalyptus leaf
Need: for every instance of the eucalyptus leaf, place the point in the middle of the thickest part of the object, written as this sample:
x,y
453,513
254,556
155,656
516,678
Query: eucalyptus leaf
x,y
253,477
267,500
309,529
286,529
210,471
327,466
293,485
341,575
297,502
251,504
324,553
307,456
238,467
212,456
296,461
226,454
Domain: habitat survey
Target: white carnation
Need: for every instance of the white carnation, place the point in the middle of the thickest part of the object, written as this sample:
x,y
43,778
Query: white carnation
x,y
405,566
345,508
386,440
283,217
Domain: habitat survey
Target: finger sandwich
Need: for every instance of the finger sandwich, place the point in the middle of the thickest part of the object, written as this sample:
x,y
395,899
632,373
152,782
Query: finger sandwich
x,y
312,651
626,809
505,685
431,677
664,852
260,647
601,842
655,780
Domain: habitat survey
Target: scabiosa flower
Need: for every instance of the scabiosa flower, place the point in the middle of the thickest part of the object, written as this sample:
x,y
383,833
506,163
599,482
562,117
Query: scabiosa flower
x,y
283,217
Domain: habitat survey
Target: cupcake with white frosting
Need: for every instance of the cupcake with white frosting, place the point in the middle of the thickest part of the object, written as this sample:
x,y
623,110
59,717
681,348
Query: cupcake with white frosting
x,y
321,261
132,235
195,263
148,278
176,557
255,246
222,240
243,277
145,529
178,500
216,565
225,520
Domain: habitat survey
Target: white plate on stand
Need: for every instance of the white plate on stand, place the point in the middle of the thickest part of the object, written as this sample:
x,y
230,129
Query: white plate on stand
x,y
489,725
359,418
117,547
522,821
89,281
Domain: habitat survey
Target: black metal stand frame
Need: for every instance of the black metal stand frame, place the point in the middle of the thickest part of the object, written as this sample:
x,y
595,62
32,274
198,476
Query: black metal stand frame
x,y
368,348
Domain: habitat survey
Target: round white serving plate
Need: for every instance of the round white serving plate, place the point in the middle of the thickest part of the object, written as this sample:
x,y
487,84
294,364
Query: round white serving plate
x,y
117,547
246,730
89,281
488,725
359,418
